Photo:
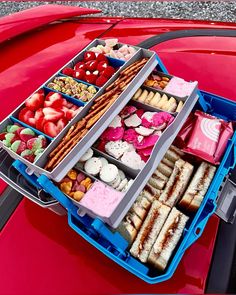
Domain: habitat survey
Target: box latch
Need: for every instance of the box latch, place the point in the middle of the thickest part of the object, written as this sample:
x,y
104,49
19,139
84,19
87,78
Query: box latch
x,y
226,201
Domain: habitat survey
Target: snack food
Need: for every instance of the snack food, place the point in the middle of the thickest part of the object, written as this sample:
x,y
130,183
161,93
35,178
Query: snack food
x,y
101,199
157,100
149,231
24,142
71,87
167,239
180,87
157,81
198,187
93,69
124,52
100,105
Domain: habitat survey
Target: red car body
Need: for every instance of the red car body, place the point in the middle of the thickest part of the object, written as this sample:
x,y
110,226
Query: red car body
x,y
39,253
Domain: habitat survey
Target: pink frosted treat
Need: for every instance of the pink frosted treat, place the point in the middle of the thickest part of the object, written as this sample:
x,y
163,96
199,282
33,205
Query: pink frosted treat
x,y
180,87
101,199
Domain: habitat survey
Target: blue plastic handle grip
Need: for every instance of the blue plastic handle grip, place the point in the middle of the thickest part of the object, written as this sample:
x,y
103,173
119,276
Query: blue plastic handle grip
x,y
20,167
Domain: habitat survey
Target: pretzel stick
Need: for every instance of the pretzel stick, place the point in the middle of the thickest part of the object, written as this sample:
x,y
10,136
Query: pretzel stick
x,y
94,119
127,71
77,127
103,96
76,140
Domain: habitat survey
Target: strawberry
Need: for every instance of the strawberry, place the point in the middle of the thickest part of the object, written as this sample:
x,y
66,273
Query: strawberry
x,y
89,55
61,124
101,57
101,81
2,135
40,123
74,108
80,65
52,115
102,65
69,114
108,72
68,72
35,101
50,129
79,74
90,78
27,116
69,105
54,100
38,114
91,65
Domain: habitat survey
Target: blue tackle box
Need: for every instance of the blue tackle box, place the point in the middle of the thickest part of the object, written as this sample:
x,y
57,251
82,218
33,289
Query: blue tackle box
x,y
111,243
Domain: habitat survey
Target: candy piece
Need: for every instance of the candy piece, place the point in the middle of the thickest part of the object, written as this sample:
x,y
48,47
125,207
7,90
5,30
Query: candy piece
x,y
143,157
139,113
38,151
160,118
147,119
28,155
3,135
65,179
93,166
18,146
116,148
87,155
116,122
133,121
102,57
86,182
66,187
144,131
36,143
180,87
137,94
133,160
11,137
148,141
122,184
80,177
12,128
113,134
127,111
26,134
104,161
116,182
78,196
109,173
6,143
72,174
130,135
78,187
111,42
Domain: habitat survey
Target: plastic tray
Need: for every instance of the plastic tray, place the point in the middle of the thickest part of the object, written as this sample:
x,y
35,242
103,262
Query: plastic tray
x,y
113,245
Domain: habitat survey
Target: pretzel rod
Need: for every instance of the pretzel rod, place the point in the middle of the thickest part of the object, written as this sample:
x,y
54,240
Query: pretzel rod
x,y
94,119
127,71
132,66
104,99
70,148
77,127
106,94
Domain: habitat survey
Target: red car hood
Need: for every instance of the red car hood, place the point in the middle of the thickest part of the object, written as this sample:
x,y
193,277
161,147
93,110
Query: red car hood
x,y
49,257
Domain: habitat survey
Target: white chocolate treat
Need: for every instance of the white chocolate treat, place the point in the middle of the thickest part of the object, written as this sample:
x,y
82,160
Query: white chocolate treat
x,y
109,173
87,155
93,166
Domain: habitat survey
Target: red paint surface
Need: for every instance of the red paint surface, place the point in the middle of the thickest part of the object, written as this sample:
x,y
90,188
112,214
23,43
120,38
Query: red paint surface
x,y
24,21
39,253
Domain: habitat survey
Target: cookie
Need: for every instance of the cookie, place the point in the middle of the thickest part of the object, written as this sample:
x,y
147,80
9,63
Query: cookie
x,y
109,173
116,148
93,166
133,121
87,155
133,160
144,131
122,174
104,161
116,122
122,184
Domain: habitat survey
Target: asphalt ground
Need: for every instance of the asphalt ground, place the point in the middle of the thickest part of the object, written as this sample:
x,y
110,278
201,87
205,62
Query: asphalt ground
x,y
202,10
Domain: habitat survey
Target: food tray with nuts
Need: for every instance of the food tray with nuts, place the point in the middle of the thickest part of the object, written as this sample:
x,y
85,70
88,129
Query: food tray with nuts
x,y
171,210
50,109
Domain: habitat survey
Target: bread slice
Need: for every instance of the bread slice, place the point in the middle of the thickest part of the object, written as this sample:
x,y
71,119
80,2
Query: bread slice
x,y
157,182
149,231
133,219
198,187
177,183
139,210
167,239
160,175
128,231
143,201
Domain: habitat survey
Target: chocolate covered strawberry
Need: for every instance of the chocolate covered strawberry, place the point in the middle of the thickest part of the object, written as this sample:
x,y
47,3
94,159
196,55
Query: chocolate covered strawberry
x,y
80,65
89,55
101,81
68,72
79,74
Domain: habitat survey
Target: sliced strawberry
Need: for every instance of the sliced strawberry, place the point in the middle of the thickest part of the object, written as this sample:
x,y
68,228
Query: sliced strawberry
x,y
61,124
101,57
108,72
69,114
54,100
69,105
52,115
27,116
40,123
89,55
35,101
68,72
51,129
74,108
39,114
80,65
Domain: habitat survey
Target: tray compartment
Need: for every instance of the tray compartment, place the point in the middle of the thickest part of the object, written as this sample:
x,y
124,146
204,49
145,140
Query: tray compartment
x,y
72,158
